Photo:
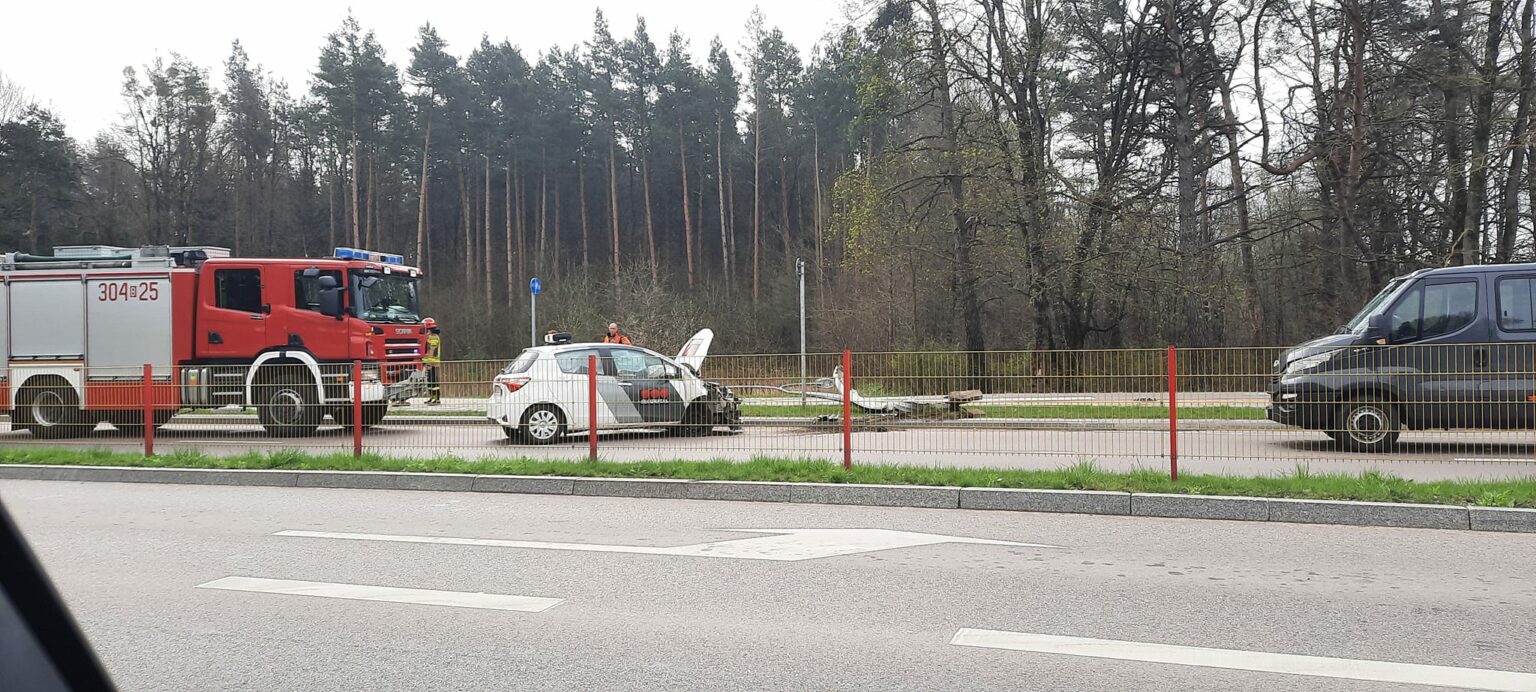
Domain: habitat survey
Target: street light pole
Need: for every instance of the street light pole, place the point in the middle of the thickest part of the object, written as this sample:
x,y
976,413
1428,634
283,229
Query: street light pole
x,y
800,272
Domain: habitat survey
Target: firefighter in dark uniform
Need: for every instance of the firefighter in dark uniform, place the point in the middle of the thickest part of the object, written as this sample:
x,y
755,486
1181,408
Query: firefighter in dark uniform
x,y
431,359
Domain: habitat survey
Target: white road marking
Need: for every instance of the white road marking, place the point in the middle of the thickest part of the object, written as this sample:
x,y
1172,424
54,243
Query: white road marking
x,y
786,545
390,594
1234,659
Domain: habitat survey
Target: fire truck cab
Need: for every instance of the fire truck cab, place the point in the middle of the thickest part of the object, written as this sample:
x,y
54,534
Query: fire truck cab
x,y
77,328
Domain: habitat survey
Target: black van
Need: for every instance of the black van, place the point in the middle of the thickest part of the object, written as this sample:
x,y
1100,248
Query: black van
x,y
1437,349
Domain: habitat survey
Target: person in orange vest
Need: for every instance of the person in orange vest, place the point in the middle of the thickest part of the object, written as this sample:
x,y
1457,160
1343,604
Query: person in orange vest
x,y
614,336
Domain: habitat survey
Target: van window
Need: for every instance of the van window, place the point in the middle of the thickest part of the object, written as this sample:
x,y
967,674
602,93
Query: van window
x,y
1515,305
238,289
1448,307
1434,310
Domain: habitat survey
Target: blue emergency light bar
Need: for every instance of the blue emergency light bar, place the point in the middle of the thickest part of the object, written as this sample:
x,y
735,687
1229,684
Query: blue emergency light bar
x,y
368,256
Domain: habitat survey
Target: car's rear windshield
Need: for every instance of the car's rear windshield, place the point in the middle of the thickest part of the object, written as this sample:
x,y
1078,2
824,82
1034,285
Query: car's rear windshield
x,y
523,362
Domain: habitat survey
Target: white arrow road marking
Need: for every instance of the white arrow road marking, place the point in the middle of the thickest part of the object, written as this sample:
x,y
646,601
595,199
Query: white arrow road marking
x,y
365,592
1234,659
786,545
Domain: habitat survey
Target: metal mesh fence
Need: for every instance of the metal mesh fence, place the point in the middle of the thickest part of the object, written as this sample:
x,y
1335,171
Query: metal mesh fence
x,y
1421,411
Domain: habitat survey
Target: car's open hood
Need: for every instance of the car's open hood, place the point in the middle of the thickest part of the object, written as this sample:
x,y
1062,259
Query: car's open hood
x,y
693,352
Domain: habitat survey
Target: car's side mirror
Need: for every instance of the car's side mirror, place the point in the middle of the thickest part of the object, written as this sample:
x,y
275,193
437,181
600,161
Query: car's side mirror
x,y
1378,329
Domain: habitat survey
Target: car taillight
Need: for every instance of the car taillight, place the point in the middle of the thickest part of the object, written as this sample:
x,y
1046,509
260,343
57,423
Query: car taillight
x,y
511,384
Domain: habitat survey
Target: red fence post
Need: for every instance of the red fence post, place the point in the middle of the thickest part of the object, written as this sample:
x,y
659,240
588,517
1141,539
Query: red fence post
x,y
592,408
357,408
847,410
149,409
1173,413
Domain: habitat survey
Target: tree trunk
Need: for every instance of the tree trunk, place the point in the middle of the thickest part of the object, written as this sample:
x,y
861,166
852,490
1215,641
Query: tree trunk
x,y
581,192
682,156
486,254
356,210
1482,132
650,229
539,265
725,248
522,219
554,242
421,197
1509,219
237,215
784,217
32,224
469,243
1255,299
757,197
613,206
512,284
370,227
965,277
820,258
730,196
332,197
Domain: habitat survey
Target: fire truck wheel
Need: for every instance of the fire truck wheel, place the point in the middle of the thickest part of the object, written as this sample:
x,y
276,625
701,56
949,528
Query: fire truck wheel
x,y
286,405
55,412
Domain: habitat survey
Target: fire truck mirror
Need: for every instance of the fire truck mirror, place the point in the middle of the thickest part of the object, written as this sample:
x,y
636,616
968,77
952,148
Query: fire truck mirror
x,y
330,298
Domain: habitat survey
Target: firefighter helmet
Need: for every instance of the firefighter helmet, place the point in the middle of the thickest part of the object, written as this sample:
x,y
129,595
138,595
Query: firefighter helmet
x,y
429,323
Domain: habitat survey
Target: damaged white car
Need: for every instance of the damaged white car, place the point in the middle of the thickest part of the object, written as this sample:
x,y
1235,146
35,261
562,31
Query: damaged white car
x,y
544,394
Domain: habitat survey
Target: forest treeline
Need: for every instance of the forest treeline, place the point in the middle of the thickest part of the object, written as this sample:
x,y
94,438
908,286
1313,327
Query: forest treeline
x,y
957,174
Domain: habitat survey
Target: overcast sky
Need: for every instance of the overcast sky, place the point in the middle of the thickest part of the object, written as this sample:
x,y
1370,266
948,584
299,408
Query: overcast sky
x,y
70,56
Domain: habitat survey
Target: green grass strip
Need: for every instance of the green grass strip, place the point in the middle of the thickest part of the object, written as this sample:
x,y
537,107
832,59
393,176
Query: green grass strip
x,y
1371,486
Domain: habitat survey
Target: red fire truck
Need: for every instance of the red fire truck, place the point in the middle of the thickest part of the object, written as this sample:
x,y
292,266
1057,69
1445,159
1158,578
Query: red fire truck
x,y
276,334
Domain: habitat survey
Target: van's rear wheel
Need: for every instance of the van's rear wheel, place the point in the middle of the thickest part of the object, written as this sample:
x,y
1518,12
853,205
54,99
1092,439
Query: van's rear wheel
x,y
286,406
1367,425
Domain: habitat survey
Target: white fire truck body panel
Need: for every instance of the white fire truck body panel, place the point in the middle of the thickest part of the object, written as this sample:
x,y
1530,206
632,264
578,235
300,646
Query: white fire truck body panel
x,y
128,324
49,319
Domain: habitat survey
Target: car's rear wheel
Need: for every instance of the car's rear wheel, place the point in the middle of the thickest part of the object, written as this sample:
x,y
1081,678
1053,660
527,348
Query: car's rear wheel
x,y
1367,425
542,425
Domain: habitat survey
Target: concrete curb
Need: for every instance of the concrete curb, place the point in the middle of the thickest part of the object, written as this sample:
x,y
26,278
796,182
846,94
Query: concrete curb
x,y
1052,424
1395,515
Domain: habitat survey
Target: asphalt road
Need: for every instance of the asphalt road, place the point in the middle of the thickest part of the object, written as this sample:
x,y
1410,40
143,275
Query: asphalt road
x,y
129,560
1258,449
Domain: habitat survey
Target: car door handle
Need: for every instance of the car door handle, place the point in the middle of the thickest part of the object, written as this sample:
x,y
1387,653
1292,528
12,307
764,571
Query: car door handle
x,y
258,318
1480,358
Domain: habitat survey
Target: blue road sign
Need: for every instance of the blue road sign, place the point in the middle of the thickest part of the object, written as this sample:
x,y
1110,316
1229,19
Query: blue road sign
x,y
534,286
